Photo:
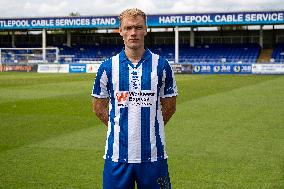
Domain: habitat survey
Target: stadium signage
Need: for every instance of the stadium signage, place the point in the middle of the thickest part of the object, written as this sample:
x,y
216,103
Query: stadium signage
x,y
92,68
221,68
53,68
65,22
7,68
77,68
268,68
230,18
244,18
169,20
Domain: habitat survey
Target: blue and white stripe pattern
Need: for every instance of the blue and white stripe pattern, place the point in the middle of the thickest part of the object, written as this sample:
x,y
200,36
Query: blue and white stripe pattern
x,y
135,127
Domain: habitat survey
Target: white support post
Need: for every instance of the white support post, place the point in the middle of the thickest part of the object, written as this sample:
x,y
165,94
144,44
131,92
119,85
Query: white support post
x,y
57,55
261,36
176,44
68,42
44,45
13,39
192,37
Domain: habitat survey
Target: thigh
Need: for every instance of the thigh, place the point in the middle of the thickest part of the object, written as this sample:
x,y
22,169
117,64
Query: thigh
x,y
118,175
153,175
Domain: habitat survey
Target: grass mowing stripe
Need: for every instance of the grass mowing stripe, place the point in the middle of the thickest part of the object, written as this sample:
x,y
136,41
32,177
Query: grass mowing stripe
x,y
231,139
10,80
50,168
44,90
227,133
63,161
196,86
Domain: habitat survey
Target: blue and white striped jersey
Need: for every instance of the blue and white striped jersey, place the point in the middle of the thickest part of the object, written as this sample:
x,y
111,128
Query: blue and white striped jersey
x,y
135,127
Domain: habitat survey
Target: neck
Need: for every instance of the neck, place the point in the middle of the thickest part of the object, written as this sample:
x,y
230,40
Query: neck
x,y
134,55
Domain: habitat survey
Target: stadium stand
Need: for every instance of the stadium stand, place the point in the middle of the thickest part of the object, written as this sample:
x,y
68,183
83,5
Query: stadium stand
x,y
88,48
220,46
278,53
25,55
87,53
222,53
213,53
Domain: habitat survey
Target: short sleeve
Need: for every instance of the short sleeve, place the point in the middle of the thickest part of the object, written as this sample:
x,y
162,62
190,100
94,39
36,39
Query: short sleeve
x,y
100,87
169,88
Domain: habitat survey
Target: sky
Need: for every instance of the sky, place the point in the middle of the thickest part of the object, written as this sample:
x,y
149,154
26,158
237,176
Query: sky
x,y
50,8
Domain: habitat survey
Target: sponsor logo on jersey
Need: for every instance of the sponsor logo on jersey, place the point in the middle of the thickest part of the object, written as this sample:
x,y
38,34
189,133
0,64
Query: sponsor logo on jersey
x,y
122,96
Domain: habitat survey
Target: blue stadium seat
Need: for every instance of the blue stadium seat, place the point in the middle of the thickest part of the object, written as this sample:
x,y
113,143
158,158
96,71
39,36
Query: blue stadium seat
x,y
278,53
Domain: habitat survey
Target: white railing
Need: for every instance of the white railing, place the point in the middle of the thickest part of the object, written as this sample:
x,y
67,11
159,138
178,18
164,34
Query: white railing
x,y
29,55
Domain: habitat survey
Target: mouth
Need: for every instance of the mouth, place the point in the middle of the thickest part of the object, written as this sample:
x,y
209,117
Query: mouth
x,y
133,40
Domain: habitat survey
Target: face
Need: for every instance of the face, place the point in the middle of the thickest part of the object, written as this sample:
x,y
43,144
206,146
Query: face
x,y
133,31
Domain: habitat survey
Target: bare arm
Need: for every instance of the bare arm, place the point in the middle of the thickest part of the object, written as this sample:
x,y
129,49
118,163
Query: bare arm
x,y
100,107
168,108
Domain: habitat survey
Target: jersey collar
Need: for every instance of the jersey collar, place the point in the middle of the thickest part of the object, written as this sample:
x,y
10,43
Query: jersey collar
x,y
123,57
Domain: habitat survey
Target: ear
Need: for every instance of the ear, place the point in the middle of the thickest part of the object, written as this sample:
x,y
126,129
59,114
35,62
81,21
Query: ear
x,y
145,31
120,31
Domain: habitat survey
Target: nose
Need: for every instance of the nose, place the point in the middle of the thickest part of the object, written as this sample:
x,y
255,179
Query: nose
x,y
133,31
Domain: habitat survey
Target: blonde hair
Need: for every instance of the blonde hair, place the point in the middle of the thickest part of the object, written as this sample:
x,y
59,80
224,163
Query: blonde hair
x,y
133,12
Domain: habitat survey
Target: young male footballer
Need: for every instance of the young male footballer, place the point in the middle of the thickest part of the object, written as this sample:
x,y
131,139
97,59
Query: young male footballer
x,y
134,95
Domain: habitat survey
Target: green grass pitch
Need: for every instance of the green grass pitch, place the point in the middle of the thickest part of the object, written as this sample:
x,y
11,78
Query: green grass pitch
x,y
227,133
